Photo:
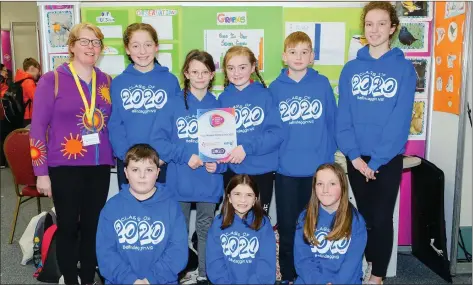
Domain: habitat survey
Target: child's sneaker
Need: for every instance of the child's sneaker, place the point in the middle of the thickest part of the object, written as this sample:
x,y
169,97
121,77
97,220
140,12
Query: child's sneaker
x,y
367,276
190,278
202,281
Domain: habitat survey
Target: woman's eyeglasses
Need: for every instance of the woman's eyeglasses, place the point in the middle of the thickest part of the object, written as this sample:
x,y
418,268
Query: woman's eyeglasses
x,y
85,42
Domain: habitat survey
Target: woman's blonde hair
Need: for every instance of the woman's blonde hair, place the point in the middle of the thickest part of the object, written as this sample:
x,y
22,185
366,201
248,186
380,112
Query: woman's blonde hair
x,y
74,36
341,225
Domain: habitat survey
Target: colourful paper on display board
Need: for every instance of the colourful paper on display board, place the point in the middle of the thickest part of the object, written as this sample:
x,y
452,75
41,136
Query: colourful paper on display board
x,y
448,45
113,22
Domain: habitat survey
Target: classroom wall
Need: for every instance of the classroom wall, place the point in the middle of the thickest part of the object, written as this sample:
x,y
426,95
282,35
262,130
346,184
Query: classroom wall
x,y
25,41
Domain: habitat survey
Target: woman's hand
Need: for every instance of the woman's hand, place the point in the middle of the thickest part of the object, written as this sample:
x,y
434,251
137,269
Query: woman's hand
x,y
43,185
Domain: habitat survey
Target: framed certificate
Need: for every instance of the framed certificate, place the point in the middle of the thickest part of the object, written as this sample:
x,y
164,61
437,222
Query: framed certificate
x,y
217,133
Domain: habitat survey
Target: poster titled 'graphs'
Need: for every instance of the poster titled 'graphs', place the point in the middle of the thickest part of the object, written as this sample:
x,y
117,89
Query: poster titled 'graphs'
x,y
217,42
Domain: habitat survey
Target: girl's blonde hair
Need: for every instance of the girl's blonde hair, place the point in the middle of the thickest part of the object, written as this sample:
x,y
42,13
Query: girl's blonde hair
x,y
341,225
244,51
74,36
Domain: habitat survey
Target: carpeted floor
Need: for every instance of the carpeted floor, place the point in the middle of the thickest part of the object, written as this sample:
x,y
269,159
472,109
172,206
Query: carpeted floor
x,y
410,270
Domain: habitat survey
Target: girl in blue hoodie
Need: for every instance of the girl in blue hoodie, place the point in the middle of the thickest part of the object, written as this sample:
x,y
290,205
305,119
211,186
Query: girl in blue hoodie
x,y
241,246
259,132
372,126
138,94
174,135
141,235
330,234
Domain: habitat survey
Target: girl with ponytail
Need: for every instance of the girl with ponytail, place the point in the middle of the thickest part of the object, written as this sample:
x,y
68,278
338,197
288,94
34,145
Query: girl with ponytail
x,y
174,136
259,132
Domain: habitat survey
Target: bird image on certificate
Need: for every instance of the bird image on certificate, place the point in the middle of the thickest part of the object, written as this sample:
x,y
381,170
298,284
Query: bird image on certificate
x,y
217,133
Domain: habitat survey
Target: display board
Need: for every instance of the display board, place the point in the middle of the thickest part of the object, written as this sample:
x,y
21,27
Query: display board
x,y
113,22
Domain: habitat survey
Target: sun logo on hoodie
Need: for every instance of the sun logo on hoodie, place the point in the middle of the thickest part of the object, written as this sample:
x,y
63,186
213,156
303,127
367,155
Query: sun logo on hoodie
x,y
95,124
38,152
73,147
104,92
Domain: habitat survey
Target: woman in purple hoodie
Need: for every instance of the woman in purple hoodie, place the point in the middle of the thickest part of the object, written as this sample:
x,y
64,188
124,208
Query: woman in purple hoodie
x,y
70,149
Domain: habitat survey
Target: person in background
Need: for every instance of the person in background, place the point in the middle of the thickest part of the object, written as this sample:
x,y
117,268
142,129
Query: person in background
x,y
144,80
331,235
377,92
5,127
28,76
141,236
71,151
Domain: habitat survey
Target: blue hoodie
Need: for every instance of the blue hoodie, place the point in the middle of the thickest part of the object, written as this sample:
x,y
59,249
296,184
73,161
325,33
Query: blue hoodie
x,y
137,240
239,254
375,106
136,99
307,109
258,127
335,262
174,136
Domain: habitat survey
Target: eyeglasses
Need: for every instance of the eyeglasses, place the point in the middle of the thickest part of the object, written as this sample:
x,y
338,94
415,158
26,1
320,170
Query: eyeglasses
x,y
85,42
195,73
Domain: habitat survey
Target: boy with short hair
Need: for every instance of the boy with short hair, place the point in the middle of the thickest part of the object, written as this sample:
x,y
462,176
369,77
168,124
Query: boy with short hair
x,y
307,108
142,235
28,76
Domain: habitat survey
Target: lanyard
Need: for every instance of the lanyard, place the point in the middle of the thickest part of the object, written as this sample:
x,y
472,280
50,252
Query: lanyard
x,y
89,110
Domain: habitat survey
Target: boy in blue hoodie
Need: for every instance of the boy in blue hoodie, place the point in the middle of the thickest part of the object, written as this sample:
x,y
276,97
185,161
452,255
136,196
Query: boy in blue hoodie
x,y
141,236
307,108
138,94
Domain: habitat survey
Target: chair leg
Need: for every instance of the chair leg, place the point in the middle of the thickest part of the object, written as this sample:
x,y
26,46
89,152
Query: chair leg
x,y
15,217
38,201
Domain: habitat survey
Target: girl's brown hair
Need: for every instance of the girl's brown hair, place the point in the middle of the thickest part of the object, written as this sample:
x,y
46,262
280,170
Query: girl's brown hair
x,y
228,212
74,36
341,225
244,51
139,27
203,57
381,5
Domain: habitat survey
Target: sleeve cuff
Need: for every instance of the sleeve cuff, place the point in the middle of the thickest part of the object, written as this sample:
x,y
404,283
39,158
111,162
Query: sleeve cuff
x,y
374,164
353,154
41,171
130,279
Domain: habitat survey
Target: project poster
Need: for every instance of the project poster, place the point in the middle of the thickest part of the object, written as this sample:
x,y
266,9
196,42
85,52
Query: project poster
x,y
217,42
59,21
448,45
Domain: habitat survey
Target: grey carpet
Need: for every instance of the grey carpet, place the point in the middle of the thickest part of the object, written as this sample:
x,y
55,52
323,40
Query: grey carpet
x,y
410,270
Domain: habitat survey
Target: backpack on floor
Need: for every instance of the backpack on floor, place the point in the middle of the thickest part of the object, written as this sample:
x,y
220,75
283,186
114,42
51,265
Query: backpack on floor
x,y
44,250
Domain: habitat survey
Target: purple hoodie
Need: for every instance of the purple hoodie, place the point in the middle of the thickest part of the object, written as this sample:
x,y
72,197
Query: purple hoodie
x,y
58,123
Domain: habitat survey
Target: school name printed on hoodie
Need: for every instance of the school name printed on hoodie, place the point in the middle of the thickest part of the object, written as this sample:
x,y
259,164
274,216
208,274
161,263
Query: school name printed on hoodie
x,y
248,117
142,99
376,84
300,110
187,128
139,233
330,249
239,247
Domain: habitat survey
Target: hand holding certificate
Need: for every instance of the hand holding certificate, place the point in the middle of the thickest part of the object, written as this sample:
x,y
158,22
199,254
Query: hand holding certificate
x,y
217,133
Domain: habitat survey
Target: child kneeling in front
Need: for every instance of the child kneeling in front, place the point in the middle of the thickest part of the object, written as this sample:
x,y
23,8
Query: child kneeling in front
x,y
241,246
330,235
142,235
